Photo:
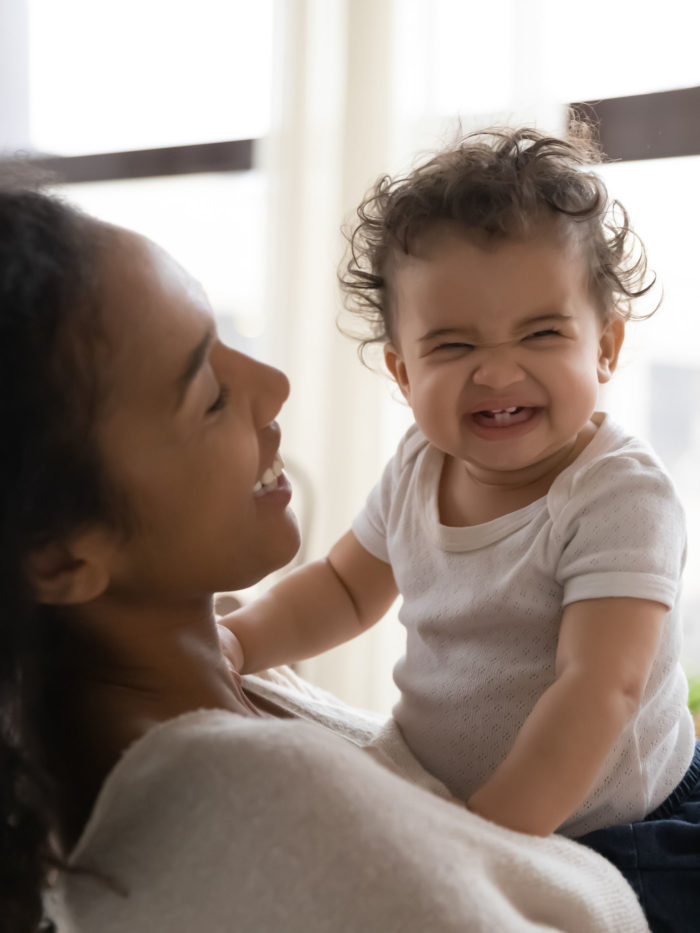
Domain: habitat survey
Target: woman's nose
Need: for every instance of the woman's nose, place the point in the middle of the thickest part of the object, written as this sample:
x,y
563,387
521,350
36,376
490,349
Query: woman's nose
x,y
264,388
271,392
497,368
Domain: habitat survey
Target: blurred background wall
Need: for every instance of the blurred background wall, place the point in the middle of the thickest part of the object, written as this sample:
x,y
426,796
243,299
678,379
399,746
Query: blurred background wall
x,y
241,135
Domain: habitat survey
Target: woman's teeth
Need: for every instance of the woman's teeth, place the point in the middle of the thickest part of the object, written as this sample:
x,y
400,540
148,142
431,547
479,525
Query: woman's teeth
x,y
269,478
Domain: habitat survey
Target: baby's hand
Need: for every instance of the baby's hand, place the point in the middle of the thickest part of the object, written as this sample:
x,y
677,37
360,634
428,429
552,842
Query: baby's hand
x,y
230,648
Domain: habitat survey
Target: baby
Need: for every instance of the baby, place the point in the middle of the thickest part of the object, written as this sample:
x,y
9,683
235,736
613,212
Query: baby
x,y
536,546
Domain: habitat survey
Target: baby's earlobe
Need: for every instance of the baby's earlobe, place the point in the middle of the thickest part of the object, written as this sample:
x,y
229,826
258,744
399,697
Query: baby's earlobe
x,y
611,341
397,368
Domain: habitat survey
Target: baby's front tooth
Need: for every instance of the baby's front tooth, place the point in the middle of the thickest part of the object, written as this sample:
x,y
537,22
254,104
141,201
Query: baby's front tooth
x,y
277,465
257,487
268,477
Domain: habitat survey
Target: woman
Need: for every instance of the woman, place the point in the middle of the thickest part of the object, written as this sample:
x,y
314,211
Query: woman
x,y
144,786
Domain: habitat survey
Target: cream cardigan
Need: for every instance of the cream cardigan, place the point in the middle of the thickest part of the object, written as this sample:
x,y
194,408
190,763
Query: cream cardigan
x,y
215,823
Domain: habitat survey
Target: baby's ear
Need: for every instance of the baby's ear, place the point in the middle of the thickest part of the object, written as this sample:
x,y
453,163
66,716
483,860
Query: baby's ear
x,y
611,339
397,368
71,572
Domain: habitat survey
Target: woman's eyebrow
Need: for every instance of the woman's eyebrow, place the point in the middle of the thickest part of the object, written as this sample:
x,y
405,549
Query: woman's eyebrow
x,y
195,361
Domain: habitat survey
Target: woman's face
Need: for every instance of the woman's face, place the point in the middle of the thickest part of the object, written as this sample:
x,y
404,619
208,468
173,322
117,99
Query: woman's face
x,y
188,432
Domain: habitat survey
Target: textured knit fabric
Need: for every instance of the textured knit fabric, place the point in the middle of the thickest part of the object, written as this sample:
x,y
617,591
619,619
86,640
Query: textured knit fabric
x,y
482,607
218,823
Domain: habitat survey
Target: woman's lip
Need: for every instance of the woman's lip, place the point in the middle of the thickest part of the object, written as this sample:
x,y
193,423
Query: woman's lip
x,y
282,489
270,474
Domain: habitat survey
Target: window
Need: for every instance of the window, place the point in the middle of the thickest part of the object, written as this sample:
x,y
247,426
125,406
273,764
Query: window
x,y
146,111
141,74
656,391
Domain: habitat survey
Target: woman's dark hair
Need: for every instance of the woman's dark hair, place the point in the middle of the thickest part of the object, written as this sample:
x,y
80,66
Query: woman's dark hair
x,y
51,484
496,183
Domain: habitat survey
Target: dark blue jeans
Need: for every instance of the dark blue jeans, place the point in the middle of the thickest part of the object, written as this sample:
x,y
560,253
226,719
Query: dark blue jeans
x,y
660,856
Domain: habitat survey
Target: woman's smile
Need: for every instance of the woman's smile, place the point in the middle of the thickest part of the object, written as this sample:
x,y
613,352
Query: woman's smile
x,y
279,491
205,479
269,479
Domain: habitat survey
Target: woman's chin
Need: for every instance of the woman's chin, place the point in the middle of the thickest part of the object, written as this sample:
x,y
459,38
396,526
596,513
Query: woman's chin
x,y
276,554
287,543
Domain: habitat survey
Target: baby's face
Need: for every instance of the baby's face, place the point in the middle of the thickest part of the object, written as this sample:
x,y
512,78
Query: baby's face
x,y
500,350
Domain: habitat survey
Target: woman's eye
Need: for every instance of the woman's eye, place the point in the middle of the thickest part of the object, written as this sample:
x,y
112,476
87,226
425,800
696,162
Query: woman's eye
x,y
220,401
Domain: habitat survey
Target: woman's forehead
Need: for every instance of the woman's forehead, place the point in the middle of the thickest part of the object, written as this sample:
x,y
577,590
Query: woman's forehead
x,y
132,261
154,312
144,286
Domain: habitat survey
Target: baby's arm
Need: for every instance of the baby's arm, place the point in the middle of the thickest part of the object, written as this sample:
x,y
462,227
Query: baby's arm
x,y
605,652
317,607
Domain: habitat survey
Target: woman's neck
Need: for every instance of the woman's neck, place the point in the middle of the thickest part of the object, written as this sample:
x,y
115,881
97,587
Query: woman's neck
x,y
122,674
159,650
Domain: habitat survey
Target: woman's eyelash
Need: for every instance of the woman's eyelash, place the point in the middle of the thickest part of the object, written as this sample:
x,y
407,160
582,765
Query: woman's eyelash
x,y
220,402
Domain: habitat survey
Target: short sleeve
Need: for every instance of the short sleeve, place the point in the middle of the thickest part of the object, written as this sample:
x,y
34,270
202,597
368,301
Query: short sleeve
x,y
371,525
622,533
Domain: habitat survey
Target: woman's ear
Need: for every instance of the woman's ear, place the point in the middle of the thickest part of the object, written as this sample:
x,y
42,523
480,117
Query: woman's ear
x,y
72,572
397,368
611,339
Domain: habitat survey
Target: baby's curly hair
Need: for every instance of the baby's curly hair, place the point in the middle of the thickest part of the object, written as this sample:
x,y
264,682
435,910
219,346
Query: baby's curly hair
x,y
497,183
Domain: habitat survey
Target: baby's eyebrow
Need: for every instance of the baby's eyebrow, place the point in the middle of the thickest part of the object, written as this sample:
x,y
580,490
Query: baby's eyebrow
x,y
441,332
194,363
470,335
546,317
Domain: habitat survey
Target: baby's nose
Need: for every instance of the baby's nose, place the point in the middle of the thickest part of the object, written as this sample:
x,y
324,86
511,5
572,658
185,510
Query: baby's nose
x,y
497,367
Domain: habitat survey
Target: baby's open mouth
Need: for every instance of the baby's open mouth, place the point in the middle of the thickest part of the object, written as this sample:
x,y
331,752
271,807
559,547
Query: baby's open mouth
x,y
269,478
503,417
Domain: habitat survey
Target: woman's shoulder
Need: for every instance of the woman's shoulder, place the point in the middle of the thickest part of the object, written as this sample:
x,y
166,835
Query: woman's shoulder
x,y
210,815
210,769
191,808
202,748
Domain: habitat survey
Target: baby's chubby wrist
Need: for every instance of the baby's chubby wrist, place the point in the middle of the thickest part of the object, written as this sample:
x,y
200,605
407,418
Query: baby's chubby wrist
x,y
231,648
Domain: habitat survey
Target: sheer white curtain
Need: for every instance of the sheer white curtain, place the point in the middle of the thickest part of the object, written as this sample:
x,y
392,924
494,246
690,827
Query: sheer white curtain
x,y
331,137
360,91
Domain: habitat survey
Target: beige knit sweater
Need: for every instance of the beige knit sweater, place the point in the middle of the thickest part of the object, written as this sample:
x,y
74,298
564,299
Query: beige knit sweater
x,y
215,823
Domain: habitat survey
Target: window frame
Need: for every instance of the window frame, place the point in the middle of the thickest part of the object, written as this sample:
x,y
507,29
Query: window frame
x,y
663,124
235,155
660,125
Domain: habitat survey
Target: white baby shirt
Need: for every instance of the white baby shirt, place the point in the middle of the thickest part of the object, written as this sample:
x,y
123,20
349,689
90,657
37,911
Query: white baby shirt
x,y
482,606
